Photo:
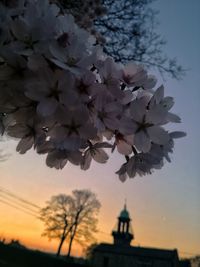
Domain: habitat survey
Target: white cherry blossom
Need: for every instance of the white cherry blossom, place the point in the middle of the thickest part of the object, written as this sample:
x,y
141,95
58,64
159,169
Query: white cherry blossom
x,y
96,152
62,96
146,130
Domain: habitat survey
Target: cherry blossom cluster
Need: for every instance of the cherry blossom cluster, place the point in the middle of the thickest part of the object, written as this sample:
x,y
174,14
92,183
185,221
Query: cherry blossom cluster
x,y
85,12
61,95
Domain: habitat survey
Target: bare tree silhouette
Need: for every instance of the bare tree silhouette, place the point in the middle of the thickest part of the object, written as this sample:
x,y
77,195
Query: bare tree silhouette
x,y
69,218
84,217
56,216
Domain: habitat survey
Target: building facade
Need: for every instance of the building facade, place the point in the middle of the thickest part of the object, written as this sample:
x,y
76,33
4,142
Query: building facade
x,y
122,254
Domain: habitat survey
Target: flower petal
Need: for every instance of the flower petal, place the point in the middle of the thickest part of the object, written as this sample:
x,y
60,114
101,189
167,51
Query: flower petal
x,y
142,141
157,97
25,144
86,161
99,155
138,109
124,148
47,106
158,135
173,117
56,159
177,134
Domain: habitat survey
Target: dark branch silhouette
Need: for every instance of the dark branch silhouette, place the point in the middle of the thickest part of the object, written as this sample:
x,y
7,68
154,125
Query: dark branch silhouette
x,y
127,31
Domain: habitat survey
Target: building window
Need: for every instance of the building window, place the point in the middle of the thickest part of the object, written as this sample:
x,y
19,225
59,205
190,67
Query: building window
x,y
105,262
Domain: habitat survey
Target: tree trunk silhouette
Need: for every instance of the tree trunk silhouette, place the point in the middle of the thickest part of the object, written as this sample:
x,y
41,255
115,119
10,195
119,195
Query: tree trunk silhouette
x,y
60,246
71,240
73,231
64,235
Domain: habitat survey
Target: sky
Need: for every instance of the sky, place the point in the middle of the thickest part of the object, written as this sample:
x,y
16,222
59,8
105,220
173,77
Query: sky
x,y
164,206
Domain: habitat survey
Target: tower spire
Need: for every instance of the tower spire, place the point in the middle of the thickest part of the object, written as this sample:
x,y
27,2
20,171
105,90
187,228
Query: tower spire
x,y
123,235
125,204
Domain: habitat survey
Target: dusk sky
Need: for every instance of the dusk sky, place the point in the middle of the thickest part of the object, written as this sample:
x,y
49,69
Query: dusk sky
x,y
164,206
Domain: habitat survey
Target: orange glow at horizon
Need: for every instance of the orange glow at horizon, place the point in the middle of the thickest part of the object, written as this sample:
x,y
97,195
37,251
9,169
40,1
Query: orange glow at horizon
x,y
27,229
158,218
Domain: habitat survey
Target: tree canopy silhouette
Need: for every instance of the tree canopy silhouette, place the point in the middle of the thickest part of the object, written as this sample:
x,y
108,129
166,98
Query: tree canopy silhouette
x,y
71,217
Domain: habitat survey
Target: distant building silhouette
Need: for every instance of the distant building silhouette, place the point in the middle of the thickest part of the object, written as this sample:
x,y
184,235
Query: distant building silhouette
x,y
193,262
123,234
122,254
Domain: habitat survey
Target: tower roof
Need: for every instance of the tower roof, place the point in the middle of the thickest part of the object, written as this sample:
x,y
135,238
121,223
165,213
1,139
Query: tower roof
x,y
124,213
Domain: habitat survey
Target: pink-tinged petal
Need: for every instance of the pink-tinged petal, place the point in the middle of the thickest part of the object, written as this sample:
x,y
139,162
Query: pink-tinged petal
x,y
177,134
99,155
25,144
142,141
86,161
158,135
47,107
124,148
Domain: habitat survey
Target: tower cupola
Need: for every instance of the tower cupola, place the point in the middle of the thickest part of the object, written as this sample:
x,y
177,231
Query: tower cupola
x,y
123,233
